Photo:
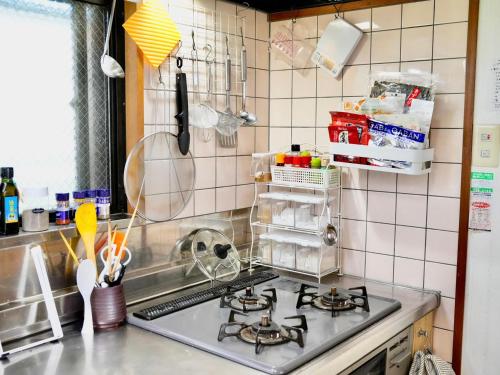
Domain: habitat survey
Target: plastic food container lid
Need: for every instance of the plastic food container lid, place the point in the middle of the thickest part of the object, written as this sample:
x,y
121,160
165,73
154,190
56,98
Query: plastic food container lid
x,y
90,193
62,196
35,192
79,195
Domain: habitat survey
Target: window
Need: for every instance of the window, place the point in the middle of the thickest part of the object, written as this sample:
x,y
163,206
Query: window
x,y
56,115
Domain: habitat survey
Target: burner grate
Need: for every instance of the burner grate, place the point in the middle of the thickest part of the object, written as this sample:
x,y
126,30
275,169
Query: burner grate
x,y
162,309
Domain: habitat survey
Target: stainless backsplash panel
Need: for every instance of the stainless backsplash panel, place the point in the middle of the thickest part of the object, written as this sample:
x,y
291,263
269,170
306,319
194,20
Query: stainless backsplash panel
x,y
155,256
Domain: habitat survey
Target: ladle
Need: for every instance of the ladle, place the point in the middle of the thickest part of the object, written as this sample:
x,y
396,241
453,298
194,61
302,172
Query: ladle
x,y
109,65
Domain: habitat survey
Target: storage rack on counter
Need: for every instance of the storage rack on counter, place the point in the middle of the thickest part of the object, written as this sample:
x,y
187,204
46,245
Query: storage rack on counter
x,y
288,220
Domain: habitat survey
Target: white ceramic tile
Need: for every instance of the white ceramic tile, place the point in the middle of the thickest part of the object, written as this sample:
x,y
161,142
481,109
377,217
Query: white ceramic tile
x,y
447,144
409,272
262,111
381,207
388,67
246,140
386,46
440,277
379,267
451,75
445,180
188,210
304,112
442,246
418,14
261,83
416,43
243,170
380,238
451,11
448,111
280,112
361,54
228,11
205,173
250,47
412,184
261,55
204,201
204,142
281,84
261,139
410,242
158,101
250,82
280,139
323,108
450,40
354,204
443,213
248,20
354,178
322,140
261,26
411,210
355,80
323,21
226,171
353,262
304,135
353,234
306,27
386,18
360,18
225,198
328,85
443,344
419,66
381,181
304,83
244,195
445,314
157,206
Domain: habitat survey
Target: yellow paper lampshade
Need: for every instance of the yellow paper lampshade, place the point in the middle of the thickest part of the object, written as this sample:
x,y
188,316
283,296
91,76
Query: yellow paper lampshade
x,y
154,32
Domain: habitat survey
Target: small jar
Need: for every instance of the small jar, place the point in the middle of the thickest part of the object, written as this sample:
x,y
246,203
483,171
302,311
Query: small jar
x,y
103,204
288,160
62,210
35,209
90,196
79,198
305,161
280,159
316,163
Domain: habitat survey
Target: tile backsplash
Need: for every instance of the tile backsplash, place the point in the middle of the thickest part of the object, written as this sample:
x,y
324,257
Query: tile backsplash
x,y
397,229
223,180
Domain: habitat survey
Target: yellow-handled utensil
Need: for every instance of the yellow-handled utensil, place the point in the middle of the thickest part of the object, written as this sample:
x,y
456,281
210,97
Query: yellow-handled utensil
x,y
86,222
68,246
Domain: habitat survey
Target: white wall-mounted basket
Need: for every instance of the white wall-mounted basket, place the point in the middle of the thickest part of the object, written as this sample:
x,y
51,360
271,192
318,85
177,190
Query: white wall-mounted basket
x,y
421,160
306,177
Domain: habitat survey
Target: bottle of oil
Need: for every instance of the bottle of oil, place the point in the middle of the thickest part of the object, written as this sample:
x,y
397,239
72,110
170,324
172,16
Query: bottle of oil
x,y
9,203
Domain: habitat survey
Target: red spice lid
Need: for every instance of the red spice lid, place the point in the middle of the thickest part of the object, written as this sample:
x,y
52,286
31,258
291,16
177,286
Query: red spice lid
x,y
288,159
296,160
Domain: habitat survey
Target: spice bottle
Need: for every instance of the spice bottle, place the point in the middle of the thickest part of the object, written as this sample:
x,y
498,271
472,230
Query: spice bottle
x,y
295,150
90,196
103,204
62,210
9,203
280,159
78,199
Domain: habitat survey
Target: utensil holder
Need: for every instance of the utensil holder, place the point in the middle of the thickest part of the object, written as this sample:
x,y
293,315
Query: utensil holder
x,y
109,309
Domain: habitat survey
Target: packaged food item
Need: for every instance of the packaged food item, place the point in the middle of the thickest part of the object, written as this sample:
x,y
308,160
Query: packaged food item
x,y
62,210
388,135
349,128
280,159
316,162
305,161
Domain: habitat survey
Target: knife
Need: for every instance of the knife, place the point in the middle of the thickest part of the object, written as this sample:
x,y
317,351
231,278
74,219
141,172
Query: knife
x,y
182,115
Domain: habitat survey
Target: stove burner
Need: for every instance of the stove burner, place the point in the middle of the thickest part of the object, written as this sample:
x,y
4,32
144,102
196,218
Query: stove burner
x,y
265,331
248,301
333,300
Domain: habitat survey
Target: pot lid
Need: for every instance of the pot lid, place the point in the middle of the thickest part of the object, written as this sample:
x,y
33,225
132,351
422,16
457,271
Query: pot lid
x,y
215,255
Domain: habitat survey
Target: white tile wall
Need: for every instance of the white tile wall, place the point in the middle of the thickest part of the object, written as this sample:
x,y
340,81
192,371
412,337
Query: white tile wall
x,y
223,180
396,228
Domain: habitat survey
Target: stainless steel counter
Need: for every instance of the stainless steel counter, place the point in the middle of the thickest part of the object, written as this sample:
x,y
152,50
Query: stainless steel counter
x,y
130,350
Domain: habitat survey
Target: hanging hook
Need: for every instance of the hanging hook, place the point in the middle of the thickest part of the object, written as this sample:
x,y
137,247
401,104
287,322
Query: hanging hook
x,y
227,44
160,78
247,6
192,37
242,36
337,10
208,47
294,20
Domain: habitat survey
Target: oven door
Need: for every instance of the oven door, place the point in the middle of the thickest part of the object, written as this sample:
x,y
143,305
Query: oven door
x,y
374,366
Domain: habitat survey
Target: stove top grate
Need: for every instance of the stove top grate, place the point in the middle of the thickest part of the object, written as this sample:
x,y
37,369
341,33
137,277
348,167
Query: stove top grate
x,y
162,309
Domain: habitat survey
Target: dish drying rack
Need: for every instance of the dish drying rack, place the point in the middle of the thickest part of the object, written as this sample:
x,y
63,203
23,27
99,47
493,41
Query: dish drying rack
x,y
288,218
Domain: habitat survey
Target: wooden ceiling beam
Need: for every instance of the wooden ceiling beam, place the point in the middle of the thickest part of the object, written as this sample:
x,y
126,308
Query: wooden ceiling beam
x,y
329,9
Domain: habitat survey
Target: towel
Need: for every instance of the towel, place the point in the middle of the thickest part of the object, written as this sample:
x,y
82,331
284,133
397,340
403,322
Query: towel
x,y
428,364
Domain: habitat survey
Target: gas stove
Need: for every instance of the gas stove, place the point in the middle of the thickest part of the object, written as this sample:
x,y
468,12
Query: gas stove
x,y
265,321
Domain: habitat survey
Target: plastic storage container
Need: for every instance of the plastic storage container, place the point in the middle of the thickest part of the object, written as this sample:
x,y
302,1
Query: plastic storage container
x,y
35,209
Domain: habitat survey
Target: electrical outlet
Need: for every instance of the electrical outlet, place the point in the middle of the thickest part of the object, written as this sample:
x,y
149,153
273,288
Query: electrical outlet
x,y
486,148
